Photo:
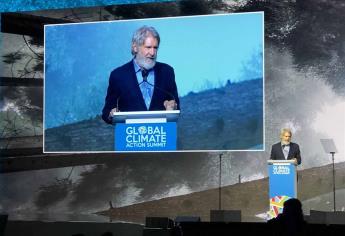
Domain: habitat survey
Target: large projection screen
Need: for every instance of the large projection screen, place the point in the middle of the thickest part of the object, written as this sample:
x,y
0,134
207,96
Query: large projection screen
x,y
218,63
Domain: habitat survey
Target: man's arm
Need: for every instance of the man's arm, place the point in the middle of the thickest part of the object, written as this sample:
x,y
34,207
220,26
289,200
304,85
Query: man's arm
x,y
298,155
172,104
110,99
273,156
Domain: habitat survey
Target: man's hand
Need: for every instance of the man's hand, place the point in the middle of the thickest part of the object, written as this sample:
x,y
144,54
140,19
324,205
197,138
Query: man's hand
x,y
113,111
170,105
295,161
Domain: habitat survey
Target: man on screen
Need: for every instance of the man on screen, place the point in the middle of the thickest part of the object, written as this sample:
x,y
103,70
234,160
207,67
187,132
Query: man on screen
x,y
285,149
143,84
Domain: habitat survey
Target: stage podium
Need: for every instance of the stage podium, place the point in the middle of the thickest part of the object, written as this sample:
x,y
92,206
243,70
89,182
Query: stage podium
x,y
145,131
282,176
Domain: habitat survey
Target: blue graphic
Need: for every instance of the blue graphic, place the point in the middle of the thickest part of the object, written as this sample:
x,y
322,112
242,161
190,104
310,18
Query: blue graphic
x,y
145,137
282,180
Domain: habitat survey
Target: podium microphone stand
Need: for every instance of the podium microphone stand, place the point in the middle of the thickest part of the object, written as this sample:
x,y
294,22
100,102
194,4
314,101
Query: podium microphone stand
x,y
329,147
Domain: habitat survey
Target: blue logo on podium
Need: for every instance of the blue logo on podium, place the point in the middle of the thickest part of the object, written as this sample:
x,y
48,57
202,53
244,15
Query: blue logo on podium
x,y
145,137
282,180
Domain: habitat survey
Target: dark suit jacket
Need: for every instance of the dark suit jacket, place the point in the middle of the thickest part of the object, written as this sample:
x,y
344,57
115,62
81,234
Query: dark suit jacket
x,y
277,152
124,90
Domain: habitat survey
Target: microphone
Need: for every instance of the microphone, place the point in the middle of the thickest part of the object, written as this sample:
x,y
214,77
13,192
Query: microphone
x,y
110,116
145,73
162,90
117,103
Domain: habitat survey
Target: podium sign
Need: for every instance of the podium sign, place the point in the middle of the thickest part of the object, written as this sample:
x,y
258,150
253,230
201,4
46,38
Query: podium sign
x,y
145,137
145,131
282,184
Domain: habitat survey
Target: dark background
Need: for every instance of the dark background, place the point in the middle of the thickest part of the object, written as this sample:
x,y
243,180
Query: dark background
x,y
304,90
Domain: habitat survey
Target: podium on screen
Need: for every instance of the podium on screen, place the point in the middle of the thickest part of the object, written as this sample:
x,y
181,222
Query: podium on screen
x,y
145,131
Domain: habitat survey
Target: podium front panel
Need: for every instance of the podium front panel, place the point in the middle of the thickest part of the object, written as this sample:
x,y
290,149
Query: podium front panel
x,y
145,137
282,186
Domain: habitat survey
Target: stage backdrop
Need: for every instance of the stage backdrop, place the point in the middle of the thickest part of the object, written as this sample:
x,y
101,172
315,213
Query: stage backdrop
x,y
304,90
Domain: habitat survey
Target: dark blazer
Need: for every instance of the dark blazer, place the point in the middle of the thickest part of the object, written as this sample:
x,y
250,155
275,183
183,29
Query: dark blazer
x,y
277,152
124,90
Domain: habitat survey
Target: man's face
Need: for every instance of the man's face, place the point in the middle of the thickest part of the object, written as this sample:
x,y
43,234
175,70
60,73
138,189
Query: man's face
x,y
146,54
286,138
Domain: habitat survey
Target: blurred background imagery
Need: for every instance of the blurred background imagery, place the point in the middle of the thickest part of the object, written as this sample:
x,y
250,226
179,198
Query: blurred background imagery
x,y
304,90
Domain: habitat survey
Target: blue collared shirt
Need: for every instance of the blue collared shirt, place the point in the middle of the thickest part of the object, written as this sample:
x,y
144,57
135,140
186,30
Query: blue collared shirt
x,y
145,88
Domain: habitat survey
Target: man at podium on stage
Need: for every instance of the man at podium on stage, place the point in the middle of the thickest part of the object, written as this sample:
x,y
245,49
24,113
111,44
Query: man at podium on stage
x,y
285,149
143,84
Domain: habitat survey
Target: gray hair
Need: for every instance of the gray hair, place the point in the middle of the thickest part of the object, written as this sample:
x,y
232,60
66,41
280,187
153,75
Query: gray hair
x,y
141,34
285,130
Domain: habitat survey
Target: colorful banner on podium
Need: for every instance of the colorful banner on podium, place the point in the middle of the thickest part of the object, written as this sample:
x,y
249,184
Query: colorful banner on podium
x,y
282,186
145,137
